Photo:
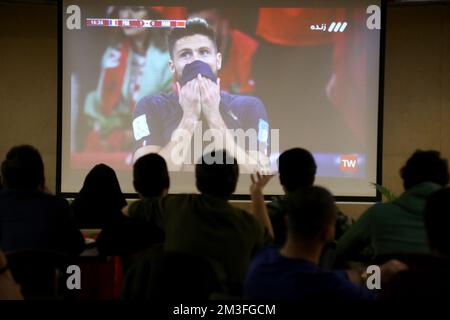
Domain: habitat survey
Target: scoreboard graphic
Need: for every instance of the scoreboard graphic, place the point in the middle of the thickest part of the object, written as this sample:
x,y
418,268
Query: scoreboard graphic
x,y
135,23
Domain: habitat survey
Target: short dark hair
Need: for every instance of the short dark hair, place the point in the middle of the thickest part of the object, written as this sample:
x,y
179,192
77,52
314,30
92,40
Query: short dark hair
x,y
437,220
193,26
310,210
297,169
150,175
218,178
23,168
425,166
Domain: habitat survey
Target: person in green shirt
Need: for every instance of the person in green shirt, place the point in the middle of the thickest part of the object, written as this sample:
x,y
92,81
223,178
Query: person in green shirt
x,y
397,227
206,224
427,276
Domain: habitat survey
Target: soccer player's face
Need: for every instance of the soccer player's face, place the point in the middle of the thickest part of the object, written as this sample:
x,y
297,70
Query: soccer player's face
x,y
191,48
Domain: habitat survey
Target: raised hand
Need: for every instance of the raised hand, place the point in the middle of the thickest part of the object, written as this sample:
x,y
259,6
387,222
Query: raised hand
x,y
259,207
259,181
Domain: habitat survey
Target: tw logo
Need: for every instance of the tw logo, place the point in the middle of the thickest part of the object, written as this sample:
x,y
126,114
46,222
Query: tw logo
x,y
349,163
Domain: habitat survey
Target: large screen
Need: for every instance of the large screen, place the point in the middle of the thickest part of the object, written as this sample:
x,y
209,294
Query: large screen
x,y
181,78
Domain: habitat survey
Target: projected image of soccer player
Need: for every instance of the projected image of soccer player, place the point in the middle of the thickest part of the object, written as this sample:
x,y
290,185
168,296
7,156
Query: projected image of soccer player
x,y
198,117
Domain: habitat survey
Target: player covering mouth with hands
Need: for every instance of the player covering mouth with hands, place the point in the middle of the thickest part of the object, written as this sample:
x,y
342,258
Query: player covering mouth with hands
x,y
166,123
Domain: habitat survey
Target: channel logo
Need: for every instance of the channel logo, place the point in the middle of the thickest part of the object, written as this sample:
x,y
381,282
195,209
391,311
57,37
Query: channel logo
x,y
349,163
337,27
333,27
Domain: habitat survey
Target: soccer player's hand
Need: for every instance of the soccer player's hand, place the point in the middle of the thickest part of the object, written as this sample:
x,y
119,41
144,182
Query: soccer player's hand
x,y
210,98
189,99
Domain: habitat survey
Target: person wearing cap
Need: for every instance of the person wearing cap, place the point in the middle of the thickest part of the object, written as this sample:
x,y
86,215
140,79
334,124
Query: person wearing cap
x,y
165,123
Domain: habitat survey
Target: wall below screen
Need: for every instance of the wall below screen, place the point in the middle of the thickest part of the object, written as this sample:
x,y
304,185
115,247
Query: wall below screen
x,y
417,82
352,210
